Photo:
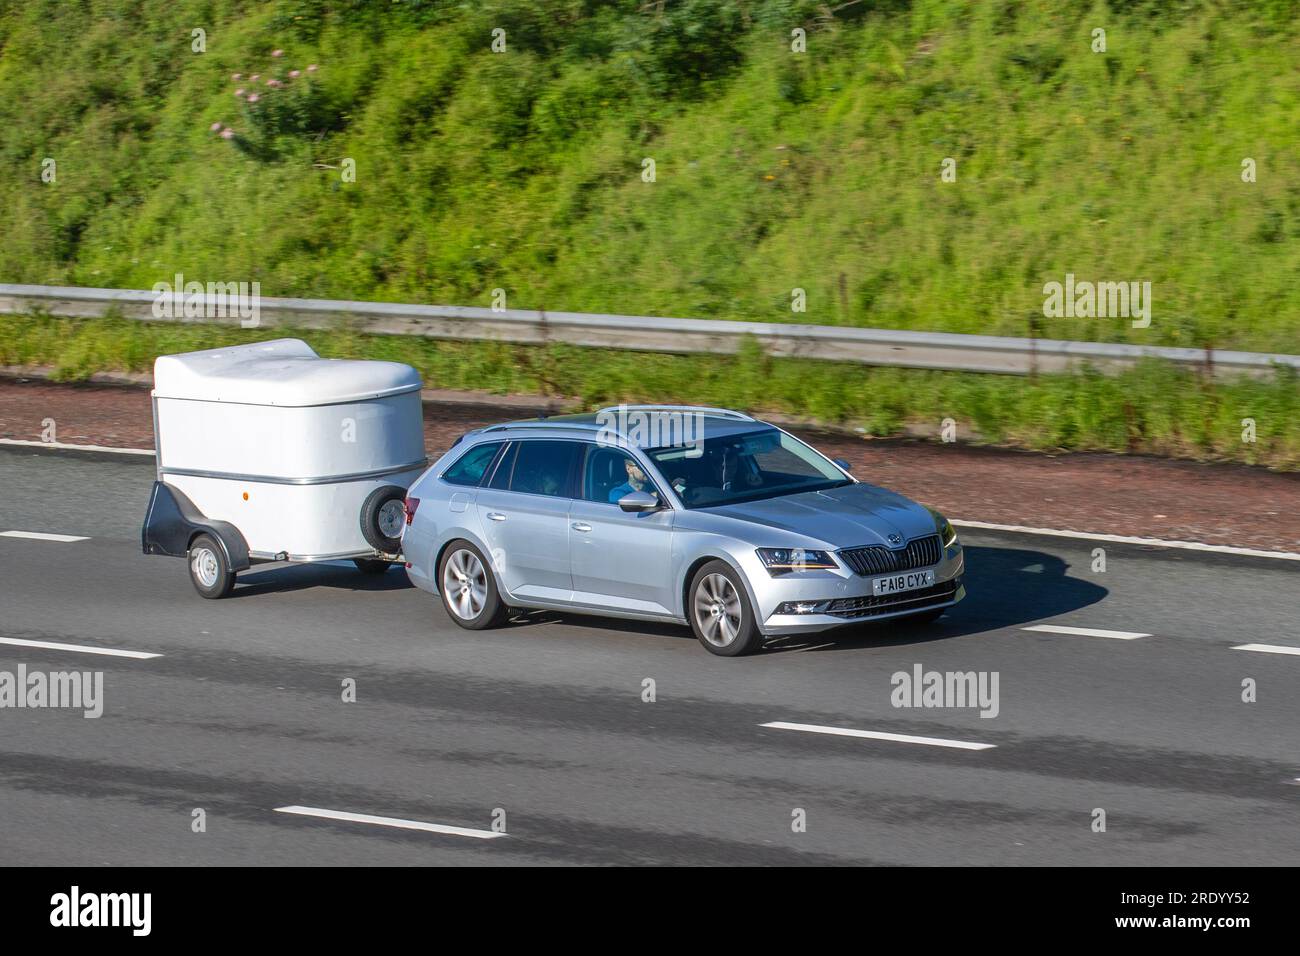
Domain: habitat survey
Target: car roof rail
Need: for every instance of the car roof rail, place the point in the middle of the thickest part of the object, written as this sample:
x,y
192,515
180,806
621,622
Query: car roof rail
x,y
552,423
702,409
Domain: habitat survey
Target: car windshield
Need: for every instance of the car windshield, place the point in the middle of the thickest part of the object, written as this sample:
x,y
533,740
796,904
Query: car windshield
x,y
762,463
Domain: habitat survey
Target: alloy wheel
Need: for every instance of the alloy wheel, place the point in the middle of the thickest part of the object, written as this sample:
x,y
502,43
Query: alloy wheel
x,y
717,610
464,584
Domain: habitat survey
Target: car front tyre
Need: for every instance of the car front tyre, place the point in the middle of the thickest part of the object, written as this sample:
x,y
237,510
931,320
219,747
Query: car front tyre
x,y
209,569
717,606
468,588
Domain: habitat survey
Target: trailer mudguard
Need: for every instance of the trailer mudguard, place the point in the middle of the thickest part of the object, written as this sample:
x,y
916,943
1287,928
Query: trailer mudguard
x,y
172,521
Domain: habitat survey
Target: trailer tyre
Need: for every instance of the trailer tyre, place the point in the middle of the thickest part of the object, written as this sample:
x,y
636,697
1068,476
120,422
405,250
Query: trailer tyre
x,y
209,568
382,518
371,566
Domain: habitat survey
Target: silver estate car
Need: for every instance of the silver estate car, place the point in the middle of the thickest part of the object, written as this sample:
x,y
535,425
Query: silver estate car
x,y
708,517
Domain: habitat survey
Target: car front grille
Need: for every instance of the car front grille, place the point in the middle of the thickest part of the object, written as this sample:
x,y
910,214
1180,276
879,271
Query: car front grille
x,y
919,553
918,600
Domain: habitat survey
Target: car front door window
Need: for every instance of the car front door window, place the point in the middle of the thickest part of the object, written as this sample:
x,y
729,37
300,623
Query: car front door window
x,y
611,474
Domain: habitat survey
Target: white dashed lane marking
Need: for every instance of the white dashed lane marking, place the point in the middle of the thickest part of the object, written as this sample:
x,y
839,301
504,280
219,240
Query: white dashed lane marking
x,y
78,648
1268,649
389,822
1086,632
42,536
1129,539
879,735
63,446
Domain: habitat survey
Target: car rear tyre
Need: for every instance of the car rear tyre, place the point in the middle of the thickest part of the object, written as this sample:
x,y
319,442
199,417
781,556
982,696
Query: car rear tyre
x,y
719,611
371,565
383,515
209,569
468,588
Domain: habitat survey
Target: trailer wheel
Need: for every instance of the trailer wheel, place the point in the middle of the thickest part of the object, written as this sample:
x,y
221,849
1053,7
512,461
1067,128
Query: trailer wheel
x,y
209,569
371,565
382,518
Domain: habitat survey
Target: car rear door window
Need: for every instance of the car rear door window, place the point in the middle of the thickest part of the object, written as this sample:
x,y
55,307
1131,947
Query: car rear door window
x,y
546,468
469,468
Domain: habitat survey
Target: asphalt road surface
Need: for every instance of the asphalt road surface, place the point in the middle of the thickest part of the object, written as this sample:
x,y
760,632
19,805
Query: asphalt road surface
x,y
243,713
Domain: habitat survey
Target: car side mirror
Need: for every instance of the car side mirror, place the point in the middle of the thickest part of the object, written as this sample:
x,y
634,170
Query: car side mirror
x,y
638,501
841,463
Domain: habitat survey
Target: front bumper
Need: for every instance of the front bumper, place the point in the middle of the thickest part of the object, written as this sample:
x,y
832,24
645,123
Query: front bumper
x,y
840,598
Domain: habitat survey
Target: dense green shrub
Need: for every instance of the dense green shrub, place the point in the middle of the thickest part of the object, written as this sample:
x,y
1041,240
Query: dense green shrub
x,y
523,170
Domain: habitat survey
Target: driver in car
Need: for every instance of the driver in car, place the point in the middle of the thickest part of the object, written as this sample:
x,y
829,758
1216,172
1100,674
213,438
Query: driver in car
x,y
636,481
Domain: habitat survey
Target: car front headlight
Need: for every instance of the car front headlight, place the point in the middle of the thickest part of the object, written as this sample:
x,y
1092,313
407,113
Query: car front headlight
x,y
785,560
947,533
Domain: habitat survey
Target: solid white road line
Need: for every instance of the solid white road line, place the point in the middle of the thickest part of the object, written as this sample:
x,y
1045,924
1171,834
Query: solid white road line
x,y
389,822
62,446
1086,632
42,536
879,735
1126,539
961,523
1268,649
79,648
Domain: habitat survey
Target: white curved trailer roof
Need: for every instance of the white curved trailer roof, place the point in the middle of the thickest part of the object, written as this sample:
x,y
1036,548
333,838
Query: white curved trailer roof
x,y
282,372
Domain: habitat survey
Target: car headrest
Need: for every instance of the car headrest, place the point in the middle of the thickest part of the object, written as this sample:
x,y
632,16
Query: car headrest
x,y
606,473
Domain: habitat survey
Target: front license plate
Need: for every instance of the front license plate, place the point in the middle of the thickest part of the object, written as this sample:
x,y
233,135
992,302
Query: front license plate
x,y
902,582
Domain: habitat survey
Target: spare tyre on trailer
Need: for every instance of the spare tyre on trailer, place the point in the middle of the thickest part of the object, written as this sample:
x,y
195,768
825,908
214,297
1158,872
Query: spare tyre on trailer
x,y
268,452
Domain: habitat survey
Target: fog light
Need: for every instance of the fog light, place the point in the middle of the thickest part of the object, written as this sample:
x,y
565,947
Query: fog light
x,y
801,607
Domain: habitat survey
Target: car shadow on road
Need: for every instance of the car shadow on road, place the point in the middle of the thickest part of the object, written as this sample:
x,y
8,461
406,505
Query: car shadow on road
x,y
526,617
278,578
1005,587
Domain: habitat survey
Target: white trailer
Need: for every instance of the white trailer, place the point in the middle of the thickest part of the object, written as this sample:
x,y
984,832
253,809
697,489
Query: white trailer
x,y
268,452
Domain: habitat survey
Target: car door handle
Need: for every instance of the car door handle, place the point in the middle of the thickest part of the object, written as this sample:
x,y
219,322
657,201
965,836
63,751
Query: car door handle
x,y
581,526
496,516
